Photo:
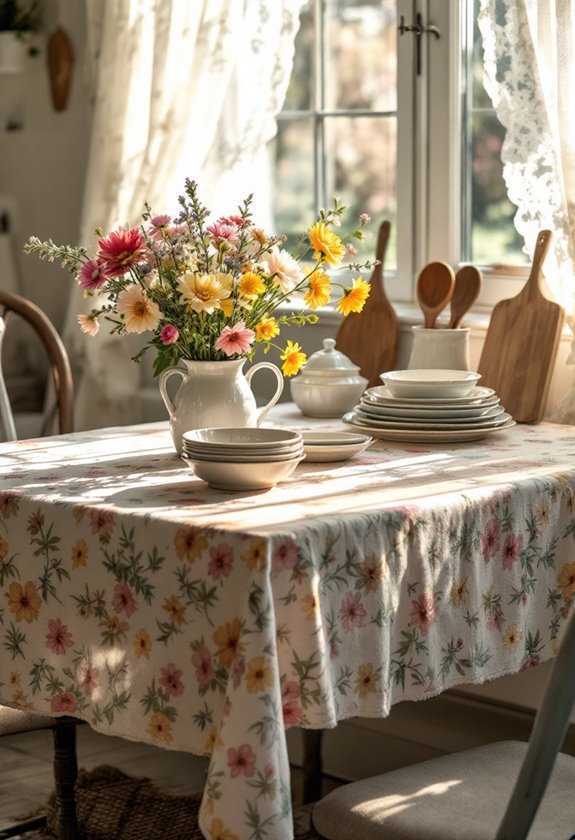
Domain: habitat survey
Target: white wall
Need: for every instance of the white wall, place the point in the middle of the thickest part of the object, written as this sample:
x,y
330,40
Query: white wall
x,y
42,162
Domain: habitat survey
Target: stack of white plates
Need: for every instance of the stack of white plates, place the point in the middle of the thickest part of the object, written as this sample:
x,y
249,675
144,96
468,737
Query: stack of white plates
x,y
242,459
415,411
333,446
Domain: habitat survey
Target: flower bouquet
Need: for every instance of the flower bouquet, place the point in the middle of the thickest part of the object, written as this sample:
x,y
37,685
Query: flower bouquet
x,y
210,291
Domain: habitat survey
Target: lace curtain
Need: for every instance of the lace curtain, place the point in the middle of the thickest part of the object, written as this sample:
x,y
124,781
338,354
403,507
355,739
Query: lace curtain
x,y
529,60
180,89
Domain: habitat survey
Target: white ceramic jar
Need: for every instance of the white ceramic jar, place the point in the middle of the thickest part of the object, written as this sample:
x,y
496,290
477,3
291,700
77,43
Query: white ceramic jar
x,y
329,384
446,349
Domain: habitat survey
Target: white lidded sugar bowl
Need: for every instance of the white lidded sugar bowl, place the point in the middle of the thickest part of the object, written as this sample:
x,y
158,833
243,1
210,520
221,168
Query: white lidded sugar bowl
x,y
329,384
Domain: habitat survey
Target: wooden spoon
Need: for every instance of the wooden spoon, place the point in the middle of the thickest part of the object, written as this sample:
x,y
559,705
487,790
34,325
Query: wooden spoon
x,y
467,286
370,338
434,289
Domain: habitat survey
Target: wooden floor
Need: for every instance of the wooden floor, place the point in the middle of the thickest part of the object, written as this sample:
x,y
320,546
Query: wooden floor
x,y
26,769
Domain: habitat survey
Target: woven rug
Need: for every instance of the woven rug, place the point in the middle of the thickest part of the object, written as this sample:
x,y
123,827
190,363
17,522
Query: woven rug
x,y
114,806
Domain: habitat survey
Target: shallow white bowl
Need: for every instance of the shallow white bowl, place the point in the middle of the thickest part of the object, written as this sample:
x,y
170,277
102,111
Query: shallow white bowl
x,y
242,437
320,397
430,384
242,457
231,451
227,475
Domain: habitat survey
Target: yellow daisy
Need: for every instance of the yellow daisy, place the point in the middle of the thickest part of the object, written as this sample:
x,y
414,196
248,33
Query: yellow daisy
x,y
227,640
354,299
255,555
293,358
142,644
79,553
139,312
267,329
251,285
366,680
319,290
326,242
566,580
160,728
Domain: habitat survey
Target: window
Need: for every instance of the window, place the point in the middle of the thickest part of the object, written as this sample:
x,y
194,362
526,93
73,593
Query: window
x,y
422,150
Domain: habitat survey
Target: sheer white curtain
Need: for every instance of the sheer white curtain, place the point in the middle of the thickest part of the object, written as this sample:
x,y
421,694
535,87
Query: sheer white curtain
x,y
180,89
530,76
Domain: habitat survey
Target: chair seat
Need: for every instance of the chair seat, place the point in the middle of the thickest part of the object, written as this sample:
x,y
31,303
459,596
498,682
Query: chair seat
x,y
15,720
475,786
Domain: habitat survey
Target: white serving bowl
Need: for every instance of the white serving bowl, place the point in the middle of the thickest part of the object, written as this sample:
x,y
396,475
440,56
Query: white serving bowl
x,y
432,383
236,476
320,397
242,438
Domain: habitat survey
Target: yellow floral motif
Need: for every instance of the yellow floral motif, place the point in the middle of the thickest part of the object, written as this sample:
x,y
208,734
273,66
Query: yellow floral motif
x,y
354,298
459,592
24,601
255,555
189,543
160,728
218,831
366,680
175,609
79,553
142,644
566,580
544,514
15,678
227,640
213,740
259,675
325,241
309,606
251,285
511,637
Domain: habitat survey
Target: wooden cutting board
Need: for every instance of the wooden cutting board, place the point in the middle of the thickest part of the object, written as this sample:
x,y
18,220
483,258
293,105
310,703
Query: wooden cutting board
x,y
370,338
521,344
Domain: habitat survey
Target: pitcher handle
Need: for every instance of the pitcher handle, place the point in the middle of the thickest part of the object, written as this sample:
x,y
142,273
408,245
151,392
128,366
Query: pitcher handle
x,y
280,386
164,376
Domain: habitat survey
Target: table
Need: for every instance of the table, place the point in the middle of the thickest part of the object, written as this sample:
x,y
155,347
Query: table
x,y
155,608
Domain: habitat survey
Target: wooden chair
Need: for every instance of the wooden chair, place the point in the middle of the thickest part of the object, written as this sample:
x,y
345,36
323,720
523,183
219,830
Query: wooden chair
x,y
487,793
14,721
57,356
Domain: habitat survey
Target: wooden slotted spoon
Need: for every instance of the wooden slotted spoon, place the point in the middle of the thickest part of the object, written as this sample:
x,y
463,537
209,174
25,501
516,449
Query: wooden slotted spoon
x,y
434,290
370,338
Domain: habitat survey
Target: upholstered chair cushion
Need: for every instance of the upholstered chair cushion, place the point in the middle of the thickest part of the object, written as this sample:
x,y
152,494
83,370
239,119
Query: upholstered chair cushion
x,y
461,795
14,720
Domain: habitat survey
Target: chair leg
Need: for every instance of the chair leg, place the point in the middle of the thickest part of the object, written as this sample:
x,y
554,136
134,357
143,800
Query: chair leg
x,y
65,774
312,764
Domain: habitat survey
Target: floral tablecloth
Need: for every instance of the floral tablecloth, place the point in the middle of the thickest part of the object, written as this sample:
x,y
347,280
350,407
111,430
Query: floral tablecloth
x,y
136,598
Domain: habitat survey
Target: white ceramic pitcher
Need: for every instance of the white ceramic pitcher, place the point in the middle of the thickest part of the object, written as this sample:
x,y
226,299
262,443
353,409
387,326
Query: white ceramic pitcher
x,y
214,394
447,349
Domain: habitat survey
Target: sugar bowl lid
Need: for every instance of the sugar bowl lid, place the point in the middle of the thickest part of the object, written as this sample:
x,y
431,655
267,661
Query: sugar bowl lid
x,y
330,361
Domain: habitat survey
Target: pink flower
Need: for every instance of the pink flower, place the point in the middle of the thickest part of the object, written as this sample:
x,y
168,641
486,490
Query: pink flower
x,y
490,540
292,713
530,661
123,600
222,561
231,220
171,680
203,663
64,702
121,249
365,218
89,324
223,232
102,521
496,619
169,334
88,680
290,690
58,637
236,339
352,611
242,760
511,550
423,612
92,276
285,556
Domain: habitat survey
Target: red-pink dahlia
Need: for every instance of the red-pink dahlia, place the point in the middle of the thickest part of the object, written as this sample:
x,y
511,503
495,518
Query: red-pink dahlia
x,y
121,249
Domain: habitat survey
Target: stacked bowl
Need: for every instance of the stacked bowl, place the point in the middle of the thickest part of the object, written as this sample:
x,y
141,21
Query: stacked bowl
x,y
242,458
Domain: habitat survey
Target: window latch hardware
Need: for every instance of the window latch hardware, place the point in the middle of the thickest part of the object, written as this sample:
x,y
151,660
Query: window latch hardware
x,y
418,30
